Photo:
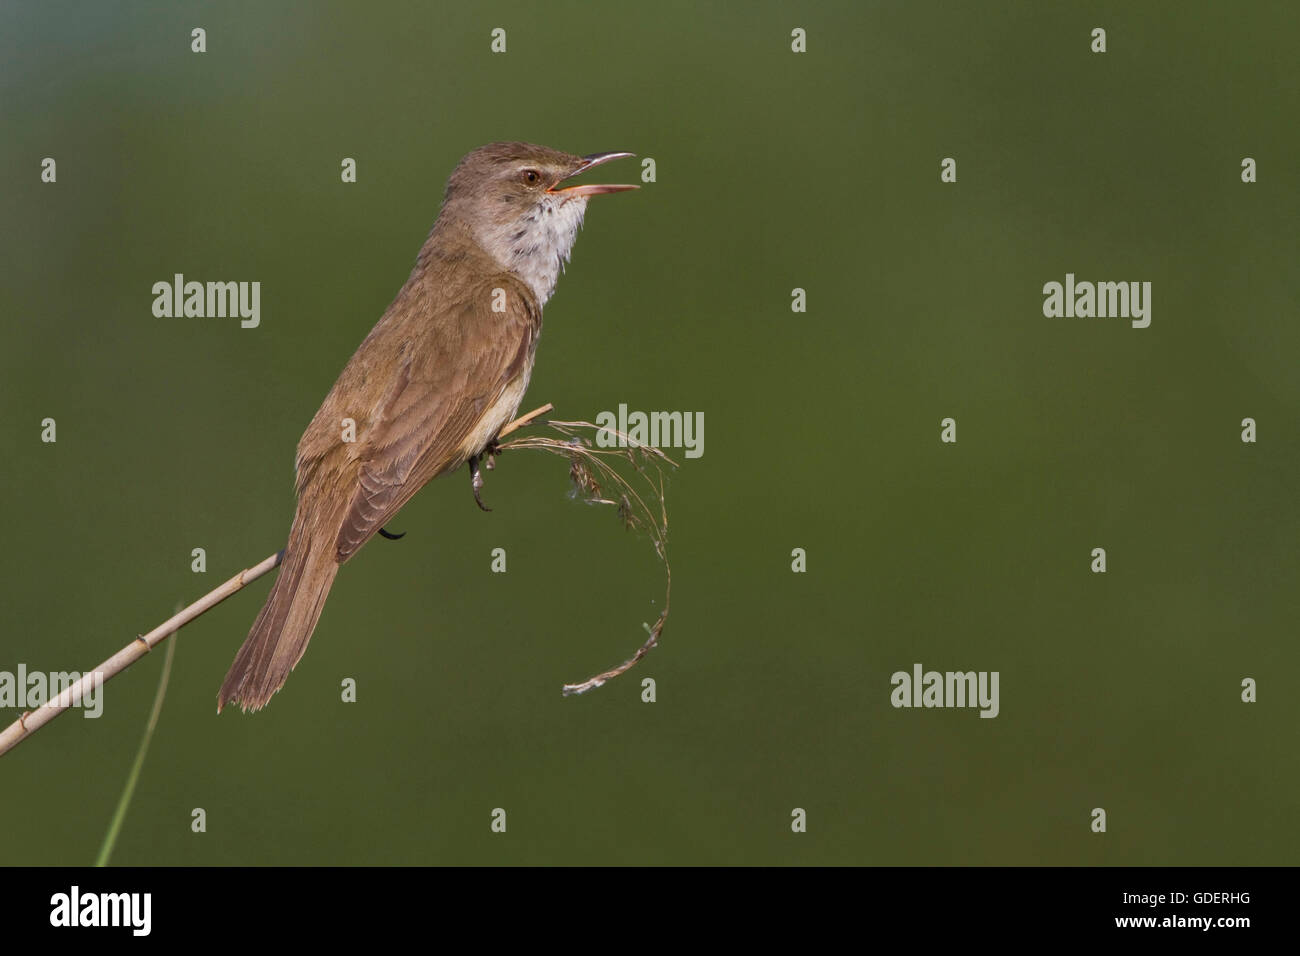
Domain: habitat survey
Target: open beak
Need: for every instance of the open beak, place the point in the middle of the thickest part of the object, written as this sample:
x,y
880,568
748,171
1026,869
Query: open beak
x,y
591,189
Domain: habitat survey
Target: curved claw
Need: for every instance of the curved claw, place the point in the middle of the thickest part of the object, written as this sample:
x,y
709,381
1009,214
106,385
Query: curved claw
x,y
390,536
476,481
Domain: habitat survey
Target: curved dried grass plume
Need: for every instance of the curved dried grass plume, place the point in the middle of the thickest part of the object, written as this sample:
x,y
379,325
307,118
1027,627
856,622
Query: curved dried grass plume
x,y
638,499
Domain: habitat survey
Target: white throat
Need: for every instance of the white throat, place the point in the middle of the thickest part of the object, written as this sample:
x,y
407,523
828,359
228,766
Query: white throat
x,y
537,246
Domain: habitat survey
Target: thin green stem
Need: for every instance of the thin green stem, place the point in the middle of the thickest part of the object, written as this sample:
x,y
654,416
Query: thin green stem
x,y
110,838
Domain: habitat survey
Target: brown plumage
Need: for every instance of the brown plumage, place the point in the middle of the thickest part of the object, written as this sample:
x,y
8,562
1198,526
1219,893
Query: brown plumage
x,y
442,371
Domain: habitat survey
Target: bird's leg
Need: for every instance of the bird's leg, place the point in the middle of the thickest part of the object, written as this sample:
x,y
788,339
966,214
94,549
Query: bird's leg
x,y
476,481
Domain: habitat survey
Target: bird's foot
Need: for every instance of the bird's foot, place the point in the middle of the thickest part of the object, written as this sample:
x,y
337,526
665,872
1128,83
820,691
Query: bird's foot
x,y
476,481
492,451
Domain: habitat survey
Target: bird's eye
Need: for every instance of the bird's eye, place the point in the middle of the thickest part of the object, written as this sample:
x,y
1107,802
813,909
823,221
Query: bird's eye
x,y
531,176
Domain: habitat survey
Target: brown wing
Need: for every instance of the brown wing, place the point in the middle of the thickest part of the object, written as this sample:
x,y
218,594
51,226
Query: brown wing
x,y
450,374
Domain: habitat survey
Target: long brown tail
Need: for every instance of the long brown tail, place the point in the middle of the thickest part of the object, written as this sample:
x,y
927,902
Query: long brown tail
x,y
280,634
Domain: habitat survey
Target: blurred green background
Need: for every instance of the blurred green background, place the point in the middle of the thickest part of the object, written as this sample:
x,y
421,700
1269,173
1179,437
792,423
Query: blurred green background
x,y
775,171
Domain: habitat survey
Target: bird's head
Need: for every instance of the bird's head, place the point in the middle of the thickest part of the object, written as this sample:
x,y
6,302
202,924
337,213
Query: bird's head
x,y
513,199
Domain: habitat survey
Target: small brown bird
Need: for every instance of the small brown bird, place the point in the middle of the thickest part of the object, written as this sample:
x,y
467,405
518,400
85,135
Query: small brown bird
x,y
442,371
